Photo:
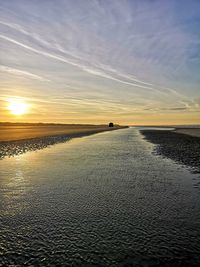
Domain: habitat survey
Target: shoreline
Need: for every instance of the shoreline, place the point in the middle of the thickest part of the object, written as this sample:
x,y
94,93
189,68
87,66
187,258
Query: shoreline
x,y
188,131
15,132
182,148
11,148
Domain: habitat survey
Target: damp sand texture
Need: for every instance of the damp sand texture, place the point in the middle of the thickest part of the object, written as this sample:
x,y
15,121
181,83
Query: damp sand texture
x,y
101,200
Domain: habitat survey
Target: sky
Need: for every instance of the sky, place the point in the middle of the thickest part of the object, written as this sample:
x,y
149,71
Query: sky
x,y
94,61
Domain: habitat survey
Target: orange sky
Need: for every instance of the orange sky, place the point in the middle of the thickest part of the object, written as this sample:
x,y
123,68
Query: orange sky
x,y
41,113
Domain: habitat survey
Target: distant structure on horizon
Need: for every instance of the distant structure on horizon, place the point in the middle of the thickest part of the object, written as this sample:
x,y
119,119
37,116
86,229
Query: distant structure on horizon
x,y
111,124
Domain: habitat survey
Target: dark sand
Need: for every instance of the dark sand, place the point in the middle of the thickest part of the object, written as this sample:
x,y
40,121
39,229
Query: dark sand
x,y
17,139
182,148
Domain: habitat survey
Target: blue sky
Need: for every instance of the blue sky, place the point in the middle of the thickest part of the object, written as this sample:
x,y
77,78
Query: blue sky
x,y
92,61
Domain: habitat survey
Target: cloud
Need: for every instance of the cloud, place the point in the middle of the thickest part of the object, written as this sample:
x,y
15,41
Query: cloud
x,y
183,108
131,81
22,73
118,51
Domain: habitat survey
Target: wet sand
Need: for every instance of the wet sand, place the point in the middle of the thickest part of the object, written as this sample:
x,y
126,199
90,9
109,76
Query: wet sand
x,y
104,200
17,139
14,132
188,131
182,148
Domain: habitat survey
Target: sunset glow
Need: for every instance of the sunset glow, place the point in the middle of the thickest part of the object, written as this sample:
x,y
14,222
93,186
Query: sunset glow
x,y
17,107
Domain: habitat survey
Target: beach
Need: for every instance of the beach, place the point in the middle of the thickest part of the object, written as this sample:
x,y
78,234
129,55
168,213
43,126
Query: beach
x,y
22,131
101,200
180,145
189,131
19,138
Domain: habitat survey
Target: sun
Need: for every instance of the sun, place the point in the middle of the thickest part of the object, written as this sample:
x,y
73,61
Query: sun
x,y
17,107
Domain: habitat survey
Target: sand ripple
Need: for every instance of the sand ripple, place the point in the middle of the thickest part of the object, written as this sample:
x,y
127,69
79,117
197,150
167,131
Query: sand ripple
x,y
182,148
12,148
106,201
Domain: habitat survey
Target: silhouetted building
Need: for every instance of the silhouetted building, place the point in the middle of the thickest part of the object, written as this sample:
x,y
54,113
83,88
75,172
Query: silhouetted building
x,y
111,124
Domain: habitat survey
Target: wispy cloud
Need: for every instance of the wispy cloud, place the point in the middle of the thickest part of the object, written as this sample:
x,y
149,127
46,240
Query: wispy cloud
x,y
131,81
119,52
22,73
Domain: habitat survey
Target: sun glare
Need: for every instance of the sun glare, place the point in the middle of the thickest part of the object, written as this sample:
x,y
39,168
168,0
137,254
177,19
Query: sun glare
x,y
17,107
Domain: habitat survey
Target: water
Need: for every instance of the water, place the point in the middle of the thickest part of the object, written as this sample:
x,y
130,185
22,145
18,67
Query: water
x,y
102,200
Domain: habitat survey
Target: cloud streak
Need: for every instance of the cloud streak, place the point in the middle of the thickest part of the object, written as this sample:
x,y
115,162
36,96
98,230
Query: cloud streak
x,y
22,73
130,80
